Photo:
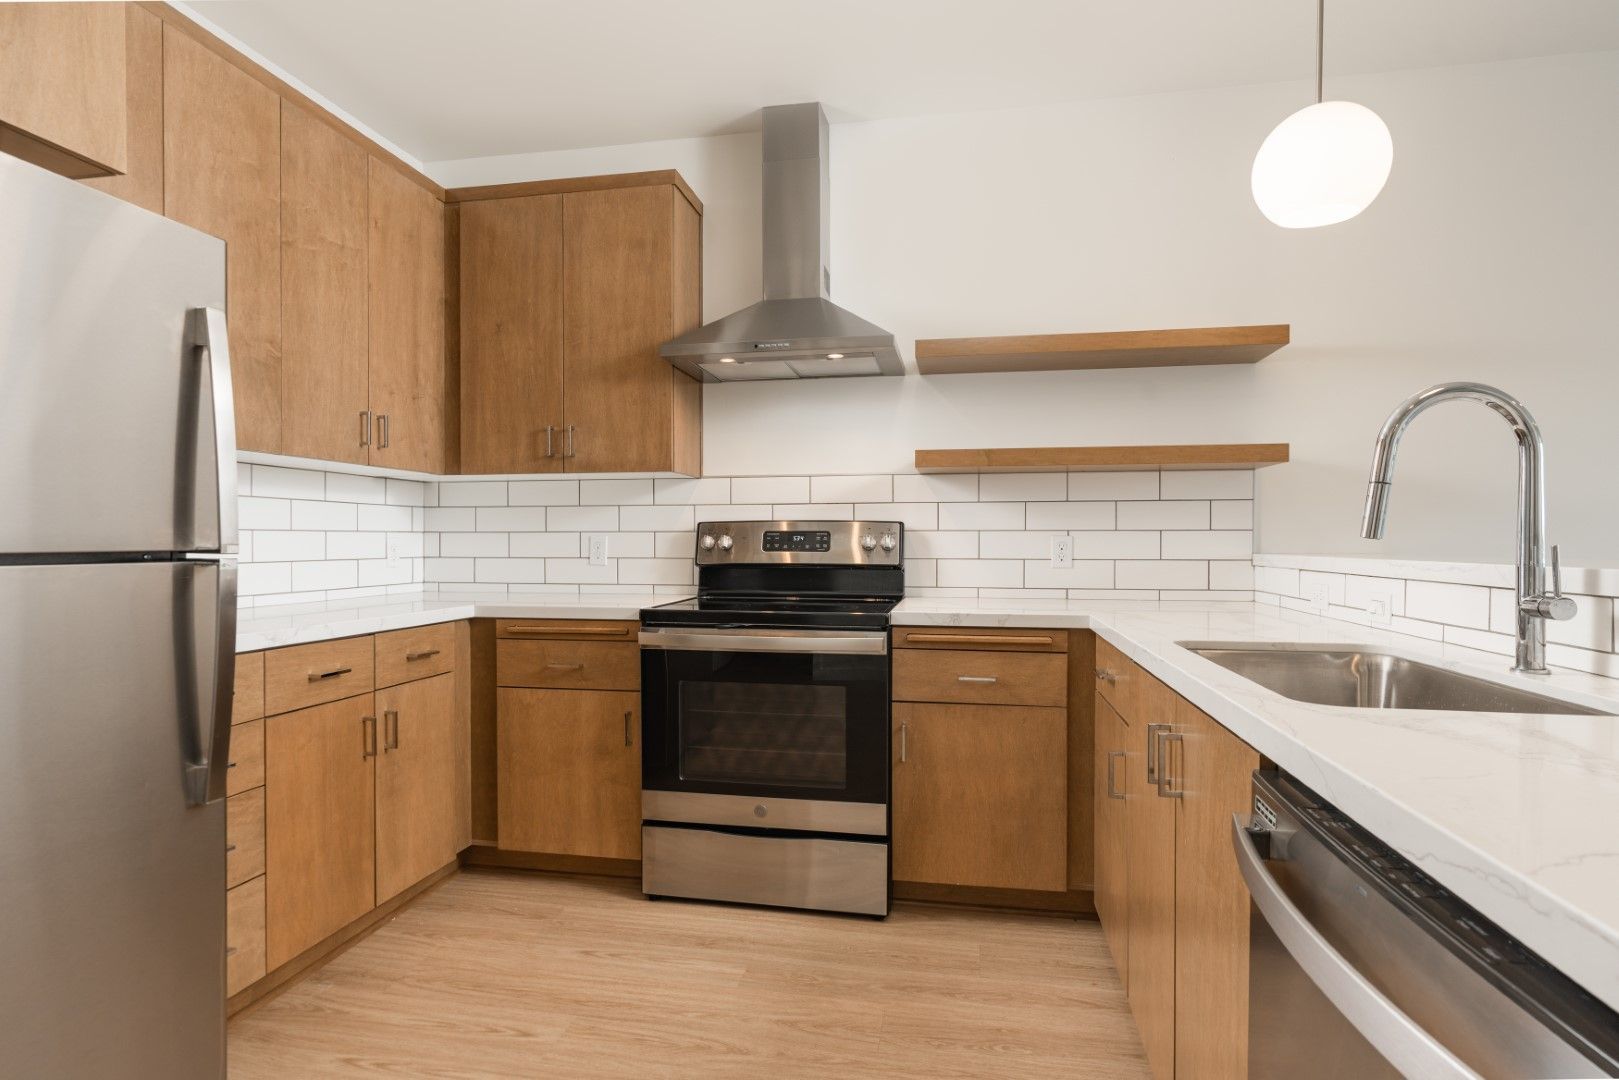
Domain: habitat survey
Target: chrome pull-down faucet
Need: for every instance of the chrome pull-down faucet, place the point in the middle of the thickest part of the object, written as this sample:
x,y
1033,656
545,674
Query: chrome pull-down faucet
x,y
1535,604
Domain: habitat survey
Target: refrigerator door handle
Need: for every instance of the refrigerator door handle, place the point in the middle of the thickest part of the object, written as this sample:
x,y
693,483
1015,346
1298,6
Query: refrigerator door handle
x,y
208,333
205,778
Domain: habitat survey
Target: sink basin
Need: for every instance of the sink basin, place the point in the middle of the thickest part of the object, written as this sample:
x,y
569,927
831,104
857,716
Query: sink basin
x,y
1361,678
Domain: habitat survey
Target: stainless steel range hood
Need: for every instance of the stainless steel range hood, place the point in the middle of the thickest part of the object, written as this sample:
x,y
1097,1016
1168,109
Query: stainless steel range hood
x,y
795,332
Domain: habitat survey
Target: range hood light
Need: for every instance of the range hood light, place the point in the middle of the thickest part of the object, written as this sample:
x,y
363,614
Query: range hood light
x,y
727,359
834,356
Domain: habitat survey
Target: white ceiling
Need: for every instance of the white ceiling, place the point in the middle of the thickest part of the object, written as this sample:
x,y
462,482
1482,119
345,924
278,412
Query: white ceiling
x,y
484,77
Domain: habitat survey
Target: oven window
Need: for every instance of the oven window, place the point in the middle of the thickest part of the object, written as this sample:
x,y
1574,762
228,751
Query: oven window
x,y
790,734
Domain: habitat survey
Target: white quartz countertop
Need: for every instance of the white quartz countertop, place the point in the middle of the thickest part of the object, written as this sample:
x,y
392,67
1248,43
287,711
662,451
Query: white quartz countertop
x,y
1516,814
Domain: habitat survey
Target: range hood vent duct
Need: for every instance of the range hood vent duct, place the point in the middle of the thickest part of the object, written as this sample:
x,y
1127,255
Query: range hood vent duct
x,y
795,332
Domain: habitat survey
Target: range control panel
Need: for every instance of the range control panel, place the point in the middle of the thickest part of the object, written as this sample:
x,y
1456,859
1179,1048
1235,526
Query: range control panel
x,y
835,543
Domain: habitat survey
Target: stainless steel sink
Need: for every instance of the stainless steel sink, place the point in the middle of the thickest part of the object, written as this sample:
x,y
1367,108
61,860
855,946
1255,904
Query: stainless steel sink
x,y
1352,676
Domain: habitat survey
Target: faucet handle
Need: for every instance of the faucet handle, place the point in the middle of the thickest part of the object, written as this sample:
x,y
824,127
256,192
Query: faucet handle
x,y
1552,605
1557,572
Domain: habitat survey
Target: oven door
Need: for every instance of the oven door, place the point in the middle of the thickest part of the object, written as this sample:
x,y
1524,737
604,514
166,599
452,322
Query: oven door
x,y
771,729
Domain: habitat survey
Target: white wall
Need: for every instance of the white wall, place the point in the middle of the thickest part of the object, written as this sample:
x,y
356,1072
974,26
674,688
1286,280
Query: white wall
x,y
1492,255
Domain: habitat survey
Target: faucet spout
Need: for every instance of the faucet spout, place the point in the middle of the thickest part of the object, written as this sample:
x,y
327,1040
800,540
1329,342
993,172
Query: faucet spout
x,y
1535,603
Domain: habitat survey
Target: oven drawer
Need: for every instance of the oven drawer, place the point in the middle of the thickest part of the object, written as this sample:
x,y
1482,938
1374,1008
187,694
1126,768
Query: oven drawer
x,y
754,868
980,678
577,629
975,637
568,665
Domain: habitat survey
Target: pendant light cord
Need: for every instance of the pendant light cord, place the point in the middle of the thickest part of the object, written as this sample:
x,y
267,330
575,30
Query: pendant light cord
x,y
1320,43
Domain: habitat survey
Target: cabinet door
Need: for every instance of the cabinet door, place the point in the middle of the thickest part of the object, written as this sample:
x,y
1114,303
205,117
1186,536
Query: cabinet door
x,y
1112,869
319,830
1150,840
980,795
569,772
623,298
222,174
415,782
511,335
1214,769
407,322
141,182
325,389
62,86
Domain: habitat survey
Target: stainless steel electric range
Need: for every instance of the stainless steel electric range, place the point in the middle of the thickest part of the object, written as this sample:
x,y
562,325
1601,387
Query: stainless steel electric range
x,y
765,718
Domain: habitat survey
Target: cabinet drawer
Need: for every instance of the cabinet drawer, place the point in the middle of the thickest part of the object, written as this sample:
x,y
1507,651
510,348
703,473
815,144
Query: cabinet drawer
x,y
577,629
568,665
973,637
1117,678
981,678
306,675
246,757
418,653
244,837
244,935
248,703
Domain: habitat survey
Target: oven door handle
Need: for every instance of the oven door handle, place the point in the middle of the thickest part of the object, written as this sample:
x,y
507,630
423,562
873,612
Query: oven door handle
x,y
778,641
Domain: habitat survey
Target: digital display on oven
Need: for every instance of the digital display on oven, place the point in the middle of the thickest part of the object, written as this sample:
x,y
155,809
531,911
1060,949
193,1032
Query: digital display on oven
x,y
798,541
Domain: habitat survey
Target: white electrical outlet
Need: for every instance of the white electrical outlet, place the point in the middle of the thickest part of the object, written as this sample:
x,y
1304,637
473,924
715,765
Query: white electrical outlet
x,y
395,553
1315,594
597,549
1062,552
1377,611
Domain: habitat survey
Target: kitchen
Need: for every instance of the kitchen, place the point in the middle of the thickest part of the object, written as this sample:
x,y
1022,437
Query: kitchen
x,y
855,558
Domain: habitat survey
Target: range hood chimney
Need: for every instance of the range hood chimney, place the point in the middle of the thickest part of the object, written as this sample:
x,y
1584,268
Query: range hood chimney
x,y
795,332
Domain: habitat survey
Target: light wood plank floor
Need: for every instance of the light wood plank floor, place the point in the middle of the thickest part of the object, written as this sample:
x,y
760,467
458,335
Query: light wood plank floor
x,y
521,975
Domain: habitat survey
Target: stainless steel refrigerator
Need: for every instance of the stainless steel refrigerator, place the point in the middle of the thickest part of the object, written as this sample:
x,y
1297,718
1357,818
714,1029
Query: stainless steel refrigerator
x,y
117,635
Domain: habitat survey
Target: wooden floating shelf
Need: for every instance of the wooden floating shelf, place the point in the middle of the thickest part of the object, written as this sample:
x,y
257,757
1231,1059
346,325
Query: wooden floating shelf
x,y
1088,352
1103,458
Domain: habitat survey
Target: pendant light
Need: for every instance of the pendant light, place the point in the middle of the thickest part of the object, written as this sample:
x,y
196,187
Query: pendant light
x,y
1326,162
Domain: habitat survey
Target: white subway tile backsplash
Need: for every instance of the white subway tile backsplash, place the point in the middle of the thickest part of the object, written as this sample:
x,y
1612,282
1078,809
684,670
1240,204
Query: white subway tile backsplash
x,y
276,545
1160,574
980,573
1232,574
542,545
1016,545
509,570
735,512
254,512
1084,574
560,519
936,487
941,545
361,545
615,492
770,489
1163,515
675,545
656,518
620,545
1444,602
580,572
374,572
543,493
911,515
1207,484
455,519
851,489
389,518
1072,515
326,516
406,492
813,511
260,578
449,570
346,487
335,574
990,515
476,545
1231,514
691,492
1023,487
1115,545
273,481
1111,486
655,572
1208,544
472,493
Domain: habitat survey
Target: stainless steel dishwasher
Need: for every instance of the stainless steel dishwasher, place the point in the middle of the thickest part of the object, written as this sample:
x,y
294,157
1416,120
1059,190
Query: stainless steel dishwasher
x,y
1362,966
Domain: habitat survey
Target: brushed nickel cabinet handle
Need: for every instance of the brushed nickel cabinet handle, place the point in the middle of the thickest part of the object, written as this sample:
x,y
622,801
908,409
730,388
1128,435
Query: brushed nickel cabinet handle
x,y
1104,675
230,764
629,739
568,448
390,723
230,950
1153,733
365,427
368,736
229,848
978,639
564,667
1166,788
423,655
317,676
904,740
550,441
977,679
382,431
1113,757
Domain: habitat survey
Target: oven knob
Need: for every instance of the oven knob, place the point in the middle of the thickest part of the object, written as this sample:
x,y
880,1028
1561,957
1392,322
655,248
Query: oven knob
x,y
725,543
707,542
889,543
868,542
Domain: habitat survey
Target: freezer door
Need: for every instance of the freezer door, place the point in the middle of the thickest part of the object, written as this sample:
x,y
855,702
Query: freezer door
x,y
112,876
108,390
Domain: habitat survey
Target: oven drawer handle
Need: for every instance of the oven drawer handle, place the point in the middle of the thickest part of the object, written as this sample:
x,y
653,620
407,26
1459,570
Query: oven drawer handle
x,y
818,642
568,631
1410,1049
976,639
977,679
564,667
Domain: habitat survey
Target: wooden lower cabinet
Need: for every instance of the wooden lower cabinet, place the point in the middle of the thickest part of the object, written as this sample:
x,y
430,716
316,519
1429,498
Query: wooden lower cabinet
x,y
569,772
415,778
1150,894
320,854
1213,768
980,795
1111,890
244,935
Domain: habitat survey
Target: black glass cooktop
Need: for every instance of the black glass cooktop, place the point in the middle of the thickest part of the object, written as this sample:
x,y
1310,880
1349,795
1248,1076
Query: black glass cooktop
x,y
773,610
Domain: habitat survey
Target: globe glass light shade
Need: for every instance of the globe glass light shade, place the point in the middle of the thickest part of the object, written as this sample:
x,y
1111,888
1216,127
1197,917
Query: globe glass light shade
x,y
1322,165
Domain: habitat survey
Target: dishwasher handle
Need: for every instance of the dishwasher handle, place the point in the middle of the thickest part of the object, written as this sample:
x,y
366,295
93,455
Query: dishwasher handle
x,y
1395,1035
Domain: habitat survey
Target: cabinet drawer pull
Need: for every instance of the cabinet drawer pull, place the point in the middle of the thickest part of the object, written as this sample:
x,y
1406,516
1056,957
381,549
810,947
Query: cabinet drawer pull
x,y
1104,675
629,739
390,724
368,736
1113,757
564,667
1166,788
229,848
567,450
230,950
230,764
550,441
365,427
1153,733
382,431
978,639
423,655
904,740
570,631
317,676
977,679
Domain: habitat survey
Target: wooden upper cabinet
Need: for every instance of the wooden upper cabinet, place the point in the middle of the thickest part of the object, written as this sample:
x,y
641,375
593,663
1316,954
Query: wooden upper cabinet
x,y
325,388
142,180
62,87
630,259
407,364
511,335
222,174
